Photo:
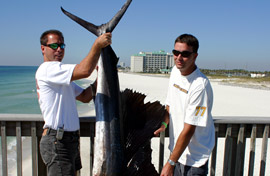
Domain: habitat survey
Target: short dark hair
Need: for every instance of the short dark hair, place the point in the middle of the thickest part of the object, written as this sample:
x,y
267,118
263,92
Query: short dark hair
x,y
44,36
190,40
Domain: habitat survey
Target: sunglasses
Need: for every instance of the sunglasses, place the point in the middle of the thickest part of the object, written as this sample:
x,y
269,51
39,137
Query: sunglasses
x,y
183,53
54,46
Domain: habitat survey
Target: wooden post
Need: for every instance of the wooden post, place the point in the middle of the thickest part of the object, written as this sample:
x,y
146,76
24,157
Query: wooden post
x,y
264,149
161,151
91,154
252,150
19,148
4,148
214,154
229,154
34,148
227,151
240,155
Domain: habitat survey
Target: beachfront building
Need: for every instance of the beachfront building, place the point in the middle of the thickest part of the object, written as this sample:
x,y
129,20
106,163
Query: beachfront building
x,y
122,64
257,75
151,62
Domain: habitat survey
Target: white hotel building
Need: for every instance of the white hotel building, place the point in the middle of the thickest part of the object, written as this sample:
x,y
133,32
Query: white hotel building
x,y
151,61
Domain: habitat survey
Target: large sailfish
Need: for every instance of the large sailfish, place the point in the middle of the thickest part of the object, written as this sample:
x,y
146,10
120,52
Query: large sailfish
x,y
118,136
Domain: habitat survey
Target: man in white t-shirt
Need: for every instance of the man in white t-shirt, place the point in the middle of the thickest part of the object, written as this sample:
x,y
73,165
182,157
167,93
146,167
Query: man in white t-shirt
x,y
189,103
57,95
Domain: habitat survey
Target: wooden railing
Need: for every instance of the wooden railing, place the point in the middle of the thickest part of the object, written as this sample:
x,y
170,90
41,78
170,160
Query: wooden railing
x,y
234,130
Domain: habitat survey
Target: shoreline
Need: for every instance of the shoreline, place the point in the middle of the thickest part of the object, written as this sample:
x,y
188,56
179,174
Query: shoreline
x,y
241,82
247,85
238,82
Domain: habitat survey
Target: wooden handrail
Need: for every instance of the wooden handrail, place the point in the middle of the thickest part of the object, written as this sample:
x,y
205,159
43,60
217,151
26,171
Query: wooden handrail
x,y
235,130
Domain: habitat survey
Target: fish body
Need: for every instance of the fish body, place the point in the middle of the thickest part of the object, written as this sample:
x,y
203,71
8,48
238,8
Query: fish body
x,y
108,148
108,157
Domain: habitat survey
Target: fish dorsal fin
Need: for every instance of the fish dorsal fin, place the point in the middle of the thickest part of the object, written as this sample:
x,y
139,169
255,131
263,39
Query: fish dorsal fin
x,y
98,30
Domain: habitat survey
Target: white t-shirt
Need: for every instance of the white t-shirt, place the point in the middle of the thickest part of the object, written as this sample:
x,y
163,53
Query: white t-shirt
x,y
57,95
190,99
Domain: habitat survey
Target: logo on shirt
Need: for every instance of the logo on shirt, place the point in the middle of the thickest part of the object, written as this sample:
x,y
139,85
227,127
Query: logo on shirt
x,y
181,89
200,110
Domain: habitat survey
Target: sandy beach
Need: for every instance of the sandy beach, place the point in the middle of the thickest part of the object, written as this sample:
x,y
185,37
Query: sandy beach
x,y
229,100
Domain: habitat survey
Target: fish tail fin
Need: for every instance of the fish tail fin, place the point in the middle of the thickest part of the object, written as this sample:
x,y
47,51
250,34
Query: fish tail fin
x,y
98,30
115,20
89,26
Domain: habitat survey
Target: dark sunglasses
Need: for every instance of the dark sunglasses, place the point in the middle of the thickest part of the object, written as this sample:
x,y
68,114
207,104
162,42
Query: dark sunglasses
x,y
183,53
54,46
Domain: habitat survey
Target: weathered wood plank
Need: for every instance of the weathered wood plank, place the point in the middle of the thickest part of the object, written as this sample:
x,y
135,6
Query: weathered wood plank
x,y
252,150
91,154
264,150
214,153
34,148
240,154
161,151
19,148
227,152
4,148
240,120
217,119
230,152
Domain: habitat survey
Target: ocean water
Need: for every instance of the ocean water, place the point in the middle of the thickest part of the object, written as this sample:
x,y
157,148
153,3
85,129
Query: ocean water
x,y
18,96
18,90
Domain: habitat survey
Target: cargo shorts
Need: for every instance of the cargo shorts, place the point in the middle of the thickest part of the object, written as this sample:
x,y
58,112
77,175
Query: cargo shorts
x,y
61,157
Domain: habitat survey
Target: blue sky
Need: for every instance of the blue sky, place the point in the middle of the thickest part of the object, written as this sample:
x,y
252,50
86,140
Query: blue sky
x,y
232,34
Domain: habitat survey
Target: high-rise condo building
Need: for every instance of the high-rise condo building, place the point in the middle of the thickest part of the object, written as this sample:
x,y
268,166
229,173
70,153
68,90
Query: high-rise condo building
x,y
151,61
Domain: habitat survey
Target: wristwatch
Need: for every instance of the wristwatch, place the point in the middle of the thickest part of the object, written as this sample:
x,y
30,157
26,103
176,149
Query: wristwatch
x,y
172,163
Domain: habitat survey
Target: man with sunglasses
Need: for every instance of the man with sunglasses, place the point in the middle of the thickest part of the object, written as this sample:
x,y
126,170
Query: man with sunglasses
x,y
189,103
57,95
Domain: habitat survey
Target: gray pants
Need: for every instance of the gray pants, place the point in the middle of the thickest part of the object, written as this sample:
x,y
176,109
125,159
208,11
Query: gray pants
x,y
62,157
182,170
